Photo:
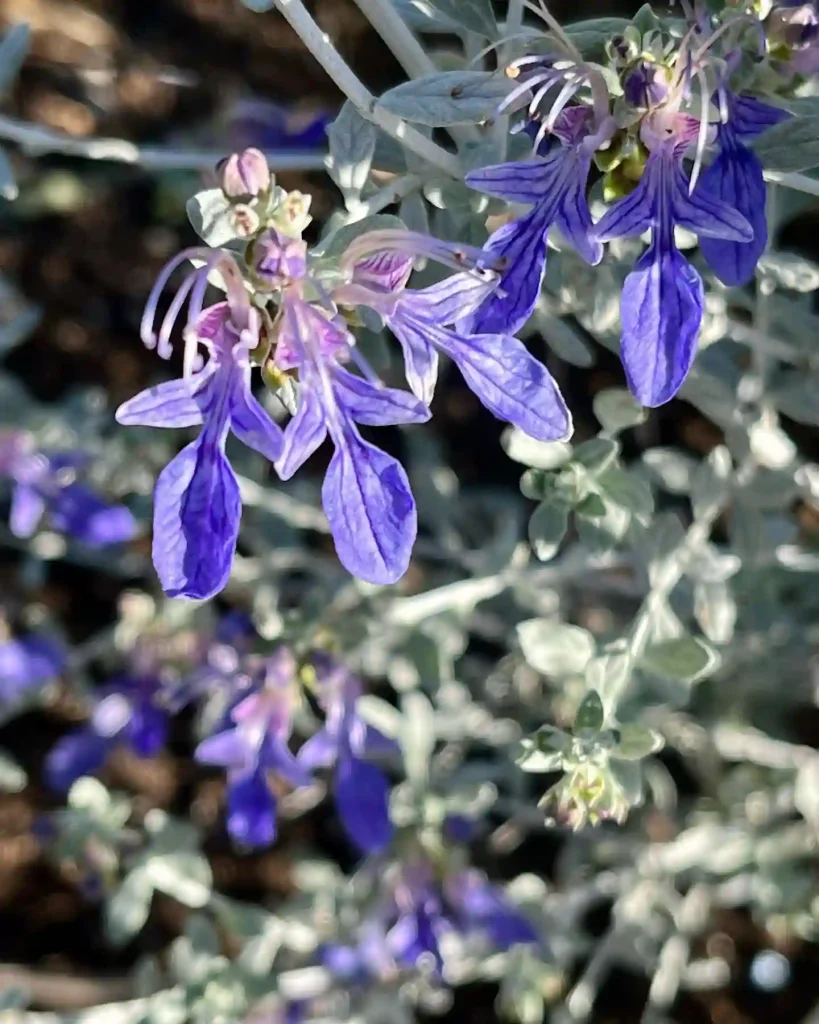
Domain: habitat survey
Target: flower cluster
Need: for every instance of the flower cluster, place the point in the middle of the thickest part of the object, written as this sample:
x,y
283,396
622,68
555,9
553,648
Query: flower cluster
x,y
289,312
658,101
45,484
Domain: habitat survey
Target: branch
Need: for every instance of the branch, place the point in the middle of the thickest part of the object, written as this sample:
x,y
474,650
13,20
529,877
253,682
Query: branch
x,y
326,54
36,140
408,51
64,991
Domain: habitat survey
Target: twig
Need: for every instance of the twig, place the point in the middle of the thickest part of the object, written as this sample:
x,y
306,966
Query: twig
x,y
407,50
326,54
398,189
36,141
64,991
690,921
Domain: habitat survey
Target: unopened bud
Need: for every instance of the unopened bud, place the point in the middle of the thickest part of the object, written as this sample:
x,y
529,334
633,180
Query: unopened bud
x,y
245,221
278,258
244,175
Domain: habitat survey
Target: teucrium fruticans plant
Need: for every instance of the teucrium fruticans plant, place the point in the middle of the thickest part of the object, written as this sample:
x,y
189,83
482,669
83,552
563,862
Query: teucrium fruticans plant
x,y
618,182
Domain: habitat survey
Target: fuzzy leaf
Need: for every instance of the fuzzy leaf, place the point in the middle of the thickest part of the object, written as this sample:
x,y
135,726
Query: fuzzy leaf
x,y
555,648
686,658
451,97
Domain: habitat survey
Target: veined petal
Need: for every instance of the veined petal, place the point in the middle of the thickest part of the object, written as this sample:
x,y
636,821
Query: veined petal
x,y
574,218
451,299
735,177
376,406
420,358
362,795
661,312
369,505
705,215
384,271
635,213
197,509
523,181
170,404
251,809
27,508
751,117
508,380
303,434
252,425
522,243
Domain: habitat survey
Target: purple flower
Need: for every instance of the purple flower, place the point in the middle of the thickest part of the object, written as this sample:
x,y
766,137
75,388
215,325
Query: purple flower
x,y
133,711
366,493
422,908
27,662
197,507
254,122
346,741
506,378
253,745
662,302
735,178
45,484
555,185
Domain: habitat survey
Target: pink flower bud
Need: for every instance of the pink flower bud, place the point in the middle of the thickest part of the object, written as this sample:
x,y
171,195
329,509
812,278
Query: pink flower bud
x,y
244,175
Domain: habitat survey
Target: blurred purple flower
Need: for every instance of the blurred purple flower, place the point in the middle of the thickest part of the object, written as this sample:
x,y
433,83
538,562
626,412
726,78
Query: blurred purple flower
x,y
266,125
346,741
27,662
253,745
423,907
45,484
197,506
132,711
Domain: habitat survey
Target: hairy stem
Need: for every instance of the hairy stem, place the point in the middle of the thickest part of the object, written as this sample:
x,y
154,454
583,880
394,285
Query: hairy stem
x,y
336,67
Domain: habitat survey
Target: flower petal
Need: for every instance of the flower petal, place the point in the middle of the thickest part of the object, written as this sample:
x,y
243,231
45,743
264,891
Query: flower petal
x,y
27,508
81,513
750,117
251,810
170,404
362,800
228,749
320,751
79,753
574,219
252,424
661,312
522,181
522,243
635,213
508,380
451,299
369,505
303,434
735,177
384,271
420,359
705,215
197,509
376,406
276,756
147,731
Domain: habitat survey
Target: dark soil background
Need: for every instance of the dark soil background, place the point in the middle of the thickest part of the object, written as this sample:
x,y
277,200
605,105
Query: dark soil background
x,y
85,242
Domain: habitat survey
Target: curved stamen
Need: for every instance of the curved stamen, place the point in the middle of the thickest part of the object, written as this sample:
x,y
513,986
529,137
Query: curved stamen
x,y
565,94
449,254
524,87
146,325
543,12
702,134
164,349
